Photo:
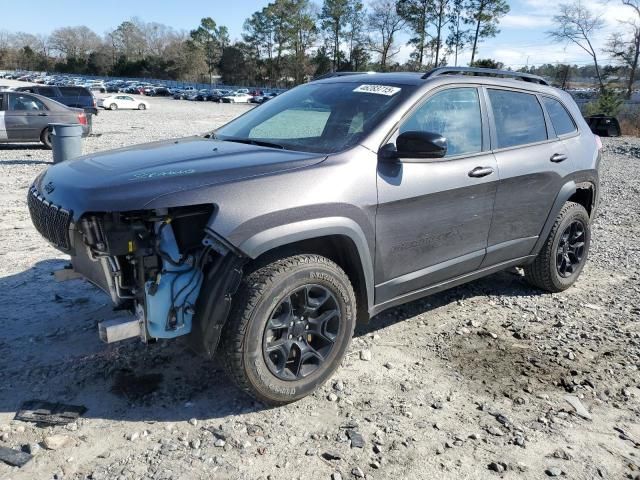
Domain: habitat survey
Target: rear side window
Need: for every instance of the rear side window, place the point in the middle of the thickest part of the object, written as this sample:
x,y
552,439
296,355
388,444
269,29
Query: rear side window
x,y
560,118
518,117
25,103
75,92
46,91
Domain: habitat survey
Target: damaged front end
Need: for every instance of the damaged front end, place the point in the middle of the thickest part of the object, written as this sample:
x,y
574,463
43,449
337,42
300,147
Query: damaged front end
x,y
163,266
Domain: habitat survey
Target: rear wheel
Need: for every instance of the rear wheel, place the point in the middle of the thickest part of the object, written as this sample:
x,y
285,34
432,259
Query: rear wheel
x,y
564,254
113,106
290,326
45,138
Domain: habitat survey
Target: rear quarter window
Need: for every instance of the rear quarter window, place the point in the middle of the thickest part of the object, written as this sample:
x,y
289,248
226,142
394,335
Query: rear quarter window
x,y
519,119
561,120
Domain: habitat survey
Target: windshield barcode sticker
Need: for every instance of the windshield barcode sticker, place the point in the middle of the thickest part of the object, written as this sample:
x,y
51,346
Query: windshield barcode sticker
x,y
378,89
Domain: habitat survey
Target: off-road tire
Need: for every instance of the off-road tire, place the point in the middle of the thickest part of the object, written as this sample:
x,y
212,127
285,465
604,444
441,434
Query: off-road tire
x,y
543,272
113,106
260,292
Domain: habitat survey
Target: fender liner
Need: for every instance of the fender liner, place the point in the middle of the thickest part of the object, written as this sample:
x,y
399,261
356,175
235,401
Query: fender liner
x,y
282,235
221,280
567,190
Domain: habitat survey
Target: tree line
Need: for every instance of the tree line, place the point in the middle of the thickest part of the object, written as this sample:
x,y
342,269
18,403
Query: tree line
x,y
283,44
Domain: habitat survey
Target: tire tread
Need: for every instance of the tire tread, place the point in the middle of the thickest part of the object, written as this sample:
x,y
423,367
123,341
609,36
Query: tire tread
x,y
252,288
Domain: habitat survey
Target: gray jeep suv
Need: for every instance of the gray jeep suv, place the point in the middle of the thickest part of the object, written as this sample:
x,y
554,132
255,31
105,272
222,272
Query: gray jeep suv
x,y
268,239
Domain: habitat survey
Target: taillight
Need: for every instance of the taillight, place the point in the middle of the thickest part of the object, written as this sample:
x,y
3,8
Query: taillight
x,y
82,119
598,142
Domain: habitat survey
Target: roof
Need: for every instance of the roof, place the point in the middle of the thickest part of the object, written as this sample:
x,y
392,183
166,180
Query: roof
x,y
420,78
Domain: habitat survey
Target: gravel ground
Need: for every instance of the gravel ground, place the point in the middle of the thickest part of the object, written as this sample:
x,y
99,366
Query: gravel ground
x,y
469,383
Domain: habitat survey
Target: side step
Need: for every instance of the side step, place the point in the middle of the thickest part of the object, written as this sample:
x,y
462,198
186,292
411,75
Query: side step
x,y
121,328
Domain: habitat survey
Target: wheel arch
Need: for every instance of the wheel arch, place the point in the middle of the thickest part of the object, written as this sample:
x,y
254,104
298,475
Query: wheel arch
x,y
337,238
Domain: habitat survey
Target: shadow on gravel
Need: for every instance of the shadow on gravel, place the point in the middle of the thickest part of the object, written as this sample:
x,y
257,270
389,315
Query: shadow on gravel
x,y
49,350
23,146
503,283
25,162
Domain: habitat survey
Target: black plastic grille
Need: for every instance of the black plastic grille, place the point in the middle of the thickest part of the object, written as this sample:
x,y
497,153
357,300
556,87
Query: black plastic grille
x,y
50,220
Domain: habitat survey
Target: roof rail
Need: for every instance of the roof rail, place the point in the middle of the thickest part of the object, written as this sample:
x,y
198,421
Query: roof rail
x,y
340,74
486,72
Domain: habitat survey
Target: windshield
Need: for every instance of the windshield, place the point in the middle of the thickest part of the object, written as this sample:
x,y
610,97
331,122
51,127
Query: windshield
x,y
322,118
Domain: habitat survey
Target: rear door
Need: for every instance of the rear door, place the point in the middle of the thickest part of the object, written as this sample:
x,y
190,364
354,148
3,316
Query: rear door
x,y
532,163
26,117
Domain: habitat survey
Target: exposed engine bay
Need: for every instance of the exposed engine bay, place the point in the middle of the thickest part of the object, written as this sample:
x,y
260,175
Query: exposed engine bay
x,y
152,264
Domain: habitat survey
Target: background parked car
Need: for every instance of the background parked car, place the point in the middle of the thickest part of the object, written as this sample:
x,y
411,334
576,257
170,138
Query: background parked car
x,y
159,92
126,102
237,97
77,97
25,117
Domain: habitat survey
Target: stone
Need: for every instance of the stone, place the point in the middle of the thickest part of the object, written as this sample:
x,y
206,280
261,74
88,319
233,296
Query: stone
x,y
365,355
310,452
495,431
332,397
193,422
357,472
195,443
219,443
577,405
56,442
338,386
331,456
133,436
497,467
336,476
554,471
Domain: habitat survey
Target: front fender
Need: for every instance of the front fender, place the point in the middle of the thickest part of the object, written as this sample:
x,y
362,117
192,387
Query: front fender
x,y
282,235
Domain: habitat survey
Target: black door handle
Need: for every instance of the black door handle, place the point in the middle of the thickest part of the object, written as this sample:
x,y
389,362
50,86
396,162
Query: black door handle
x,y
480,172
558,157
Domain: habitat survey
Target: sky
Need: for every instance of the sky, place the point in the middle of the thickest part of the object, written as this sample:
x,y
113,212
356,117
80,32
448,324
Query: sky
x,y
521,41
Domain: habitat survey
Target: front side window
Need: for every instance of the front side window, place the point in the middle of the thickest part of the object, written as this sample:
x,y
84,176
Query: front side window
x,y
560,118
518,118
25,103
320,117
454,114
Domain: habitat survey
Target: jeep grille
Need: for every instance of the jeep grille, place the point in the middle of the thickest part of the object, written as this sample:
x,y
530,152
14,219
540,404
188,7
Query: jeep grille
x,y
50,220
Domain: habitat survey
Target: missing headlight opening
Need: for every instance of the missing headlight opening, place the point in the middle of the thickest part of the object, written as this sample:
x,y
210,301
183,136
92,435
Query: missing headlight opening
x,y
150,265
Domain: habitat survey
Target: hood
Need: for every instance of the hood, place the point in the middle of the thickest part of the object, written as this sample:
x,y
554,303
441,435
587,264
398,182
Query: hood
x,y
130,178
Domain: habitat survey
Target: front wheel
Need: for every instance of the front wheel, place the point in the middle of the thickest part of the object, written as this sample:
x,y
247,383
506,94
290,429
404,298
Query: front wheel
x,y
142,106
289,328
564,254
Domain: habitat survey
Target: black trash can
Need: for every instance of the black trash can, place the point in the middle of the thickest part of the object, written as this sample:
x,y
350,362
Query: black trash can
x,y
604,126
66,141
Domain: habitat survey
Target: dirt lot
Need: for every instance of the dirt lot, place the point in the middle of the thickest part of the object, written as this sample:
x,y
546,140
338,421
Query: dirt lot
x,y
469,383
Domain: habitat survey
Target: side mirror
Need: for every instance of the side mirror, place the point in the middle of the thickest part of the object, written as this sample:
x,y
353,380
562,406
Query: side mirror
x,y
416,144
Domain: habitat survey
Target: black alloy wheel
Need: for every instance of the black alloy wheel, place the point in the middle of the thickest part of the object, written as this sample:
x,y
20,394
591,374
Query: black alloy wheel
x,y
571,247
301,332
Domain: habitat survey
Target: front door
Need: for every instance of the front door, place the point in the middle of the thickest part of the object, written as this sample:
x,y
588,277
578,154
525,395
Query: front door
x,y
434,216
